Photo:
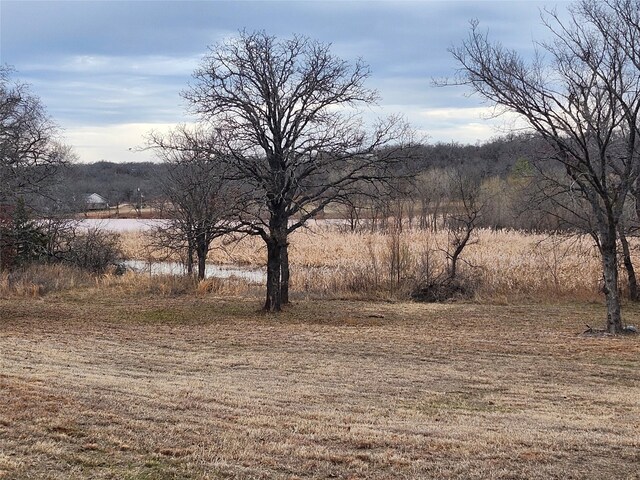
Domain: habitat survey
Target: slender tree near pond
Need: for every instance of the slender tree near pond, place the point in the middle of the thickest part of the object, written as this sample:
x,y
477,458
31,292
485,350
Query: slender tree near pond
x,y
584,102
285,117
203,200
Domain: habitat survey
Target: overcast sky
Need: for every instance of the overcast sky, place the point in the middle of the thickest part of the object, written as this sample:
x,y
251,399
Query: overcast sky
x,y
111,71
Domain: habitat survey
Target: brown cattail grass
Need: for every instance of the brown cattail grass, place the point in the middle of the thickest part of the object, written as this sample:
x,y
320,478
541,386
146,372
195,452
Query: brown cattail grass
x,y
40,279
326,260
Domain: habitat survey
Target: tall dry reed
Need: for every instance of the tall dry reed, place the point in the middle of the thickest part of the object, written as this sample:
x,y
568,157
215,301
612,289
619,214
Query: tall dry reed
x,y
499,263
143,283
326,260
36,280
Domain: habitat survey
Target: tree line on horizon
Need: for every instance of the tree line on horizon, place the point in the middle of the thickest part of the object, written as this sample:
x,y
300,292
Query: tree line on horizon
x,y
498,159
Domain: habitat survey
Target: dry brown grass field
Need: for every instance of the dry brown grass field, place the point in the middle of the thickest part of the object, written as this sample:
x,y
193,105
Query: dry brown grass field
x,y
145,377
112,383
502,264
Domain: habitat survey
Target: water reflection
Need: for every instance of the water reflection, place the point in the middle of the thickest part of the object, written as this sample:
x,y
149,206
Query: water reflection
x,y
176,268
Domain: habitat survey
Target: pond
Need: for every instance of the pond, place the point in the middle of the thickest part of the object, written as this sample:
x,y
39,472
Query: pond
x,y
142,224
254,275
122,224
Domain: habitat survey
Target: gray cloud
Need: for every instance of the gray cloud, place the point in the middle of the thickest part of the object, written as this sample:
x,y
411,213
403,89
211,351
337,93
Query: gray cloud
x,y
105,64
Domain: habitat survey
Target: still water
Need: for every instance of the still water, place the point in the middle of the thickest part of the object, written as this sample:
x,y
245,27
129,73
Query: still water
x,y
122,224
254,275
175,268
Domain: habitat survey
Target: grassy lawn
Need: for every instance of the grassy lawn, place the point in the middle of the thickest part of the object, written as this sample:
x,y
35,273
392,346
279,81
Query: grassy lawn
x,y
98,385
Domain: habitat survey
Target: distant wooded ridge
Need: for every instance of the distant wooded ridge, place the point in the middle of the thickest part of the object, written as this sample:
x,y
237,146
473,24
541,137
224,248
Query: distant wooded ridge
x,y
124,182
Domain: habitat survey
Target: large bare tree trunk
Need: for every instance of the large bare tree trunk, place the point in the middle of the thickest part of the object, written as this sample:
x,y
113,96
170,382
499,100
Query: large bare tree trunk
x,y
201,267
610,275
273,302
202,259
190,254
276,244
284,274
628,265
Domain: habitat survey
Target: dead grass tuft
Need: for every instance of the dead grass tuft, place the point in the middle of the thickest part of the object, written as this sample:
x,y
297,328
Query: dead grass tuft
x,y
167,285
36,280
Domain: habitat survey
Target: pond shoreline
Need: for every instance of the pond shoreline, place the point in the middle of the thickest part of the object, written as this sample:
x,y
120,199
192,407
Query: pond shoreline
x,y
253,275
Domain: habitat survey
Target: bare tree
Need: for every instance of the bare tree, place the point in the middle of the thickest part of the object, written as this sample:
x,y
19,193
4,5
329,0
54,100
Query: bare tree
x,y
466,205
551,197
432,187
632,280
202,199
584,103
29,152
285,114
30,156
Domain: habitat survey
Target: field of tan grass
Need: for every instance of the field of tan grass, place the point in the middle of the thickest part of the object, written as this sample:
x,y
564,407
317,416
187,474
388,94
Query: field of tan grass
x,y
502,264
111,383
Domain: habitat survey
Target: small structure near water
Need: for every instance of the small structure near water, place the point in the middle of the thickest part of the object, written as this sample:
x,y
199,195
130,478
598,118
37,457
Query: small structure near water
x,y
95,201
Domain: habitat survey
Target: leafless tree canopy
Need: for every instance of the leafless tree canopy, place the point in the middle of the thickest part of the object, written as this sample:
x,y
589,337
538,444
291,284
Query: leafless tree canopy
x,y
29,153
284,114
582,95
203,199
30,156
